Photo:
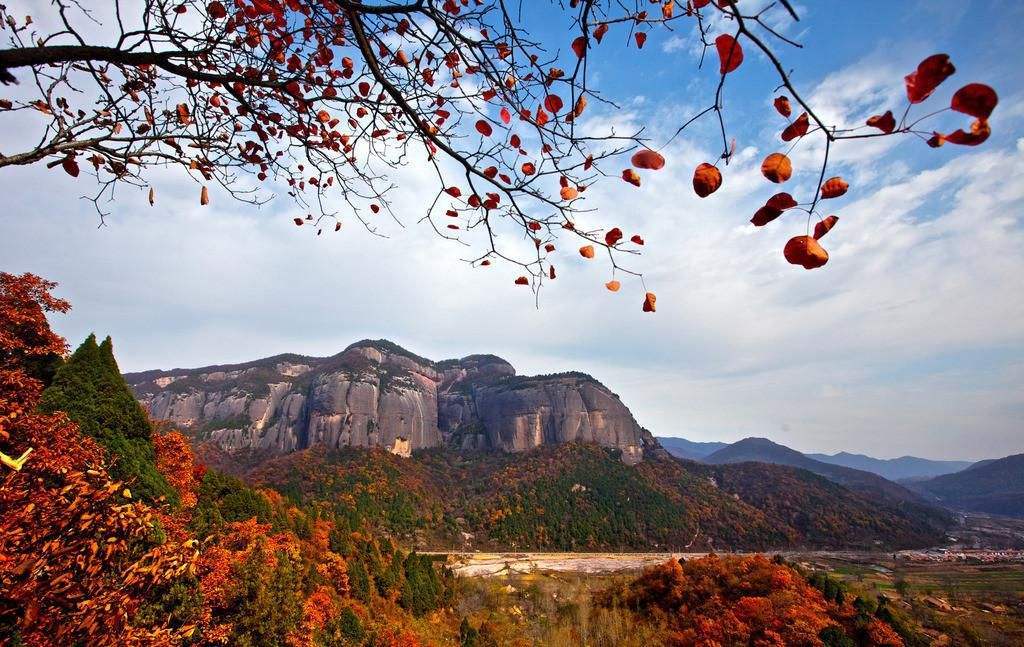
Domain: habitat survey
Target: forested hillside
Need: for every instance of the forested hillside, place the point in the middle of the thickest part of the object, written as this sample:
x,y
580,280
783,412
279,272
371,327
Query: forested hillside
x,y
582,497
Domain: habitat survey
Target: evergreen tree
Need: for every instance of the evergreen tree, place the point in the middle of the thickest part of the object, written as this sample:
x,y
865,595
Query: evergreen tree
x,y
89,388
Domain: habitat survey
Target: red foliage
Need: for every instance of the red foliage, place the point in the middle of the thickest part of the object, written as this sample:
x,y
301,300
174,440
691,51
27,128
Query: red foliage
x,y
737,601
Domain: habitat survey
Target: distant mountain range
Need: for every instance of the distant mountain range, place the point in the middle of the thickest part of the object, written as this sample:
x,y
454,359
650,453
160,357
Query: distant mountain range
x,y
994,486
894,469
683,448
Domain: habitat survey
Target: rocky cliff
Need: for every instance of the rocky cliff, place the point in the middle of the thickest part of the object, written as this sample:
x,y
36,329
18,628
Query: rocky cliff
x,y
377,394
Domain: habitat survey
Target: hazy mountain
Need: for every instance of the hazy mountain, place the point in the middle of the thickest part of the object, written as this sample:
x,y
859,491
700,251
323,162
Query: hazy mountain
x,y
763,450
894,469
993,486
689,449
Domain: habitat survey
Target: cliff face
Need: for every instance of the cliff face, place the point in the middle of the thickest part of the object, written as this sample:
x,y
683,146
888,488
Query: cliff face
x,y
376,394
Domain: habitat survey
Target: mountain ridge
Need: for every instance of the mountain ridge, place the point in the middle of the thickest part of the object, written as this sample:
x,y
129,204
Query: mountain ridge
x,y
375,393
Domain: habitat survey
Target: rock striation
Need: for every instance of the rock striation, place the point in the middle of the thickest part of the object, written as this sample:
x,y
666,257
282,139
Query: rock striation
x,y
377,394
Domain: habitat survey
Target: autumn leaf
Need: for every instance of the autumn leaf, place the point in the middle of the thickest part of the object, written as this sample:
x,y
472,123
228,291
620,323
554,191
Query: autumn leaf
x,y
587,251
834,187
522,280
579,46
649,301
613,236
765,215
70,166
730,53
781,201
796,129
823,227
929,74
886,123
637,239
631,176
454,191
216,10
782,105
600,31
204,196
805,251
506,116
647,159
484,128
613,285
553,103
152,196
706,179
569,193
975,99
528,168
980,131
640,38
777,168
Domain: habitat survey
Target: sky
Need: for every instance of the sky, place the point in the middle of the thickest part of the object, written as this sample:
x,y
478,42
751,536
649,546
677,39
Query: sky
x,y
909,341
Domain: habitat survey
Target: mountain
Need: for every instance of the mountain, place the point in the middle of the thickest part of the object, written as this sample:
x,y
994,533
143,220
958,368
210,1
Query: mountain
x,y
762,450
682,448
995,487
580,496
377,394
894,469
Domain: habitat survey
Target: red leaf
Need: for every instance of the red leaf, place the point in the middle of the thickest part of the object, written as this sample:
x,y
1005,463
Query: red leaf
x,y
975,99
796,129
506,116
522,280
765,215
579,45
782,105
777,168
805,251
824,226
640,38
70,166
637,239
781,201
647,159
553,103
649,301
929,74
886,123
730,54
834,187
297,221
601,30
631,176
484,128
587,251
613,236
453,191
216,10
706,179
980,131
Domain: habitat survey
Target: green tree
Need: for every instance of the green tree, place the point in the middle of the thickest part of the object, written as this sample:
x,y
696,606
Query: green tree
x,y
268,600
89,388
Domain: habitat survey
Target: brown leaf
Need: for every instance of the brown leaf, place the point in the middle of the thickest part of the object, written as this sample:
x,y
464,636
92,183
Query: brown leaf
x,y
706,179
777,168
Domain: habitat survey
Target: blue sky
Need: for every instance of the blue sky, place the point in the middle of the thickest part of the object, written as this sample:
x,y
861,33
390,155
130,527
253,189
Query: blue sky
x,y
911,339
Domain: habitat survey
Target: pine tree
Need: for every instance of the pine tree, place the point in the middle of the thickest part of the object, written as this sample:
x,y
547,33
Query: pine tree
x,y
90,389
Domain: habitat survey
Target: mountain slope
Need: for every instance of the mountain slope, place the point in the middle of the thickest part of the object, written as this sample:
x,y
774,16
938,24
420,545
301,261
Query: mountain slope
x,y
694,451
582,497
996,487
870,486
377,394
894,469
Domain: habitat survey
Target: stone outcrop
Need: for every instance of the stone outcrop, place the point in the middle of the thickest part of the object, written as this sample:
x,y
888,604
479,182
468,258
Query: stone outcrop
x,y
377,394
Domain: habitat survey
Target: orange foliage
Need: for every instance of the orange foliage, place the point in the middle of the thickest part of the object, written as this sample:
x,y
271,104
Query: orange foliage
x,y
176,462
76,556
738,601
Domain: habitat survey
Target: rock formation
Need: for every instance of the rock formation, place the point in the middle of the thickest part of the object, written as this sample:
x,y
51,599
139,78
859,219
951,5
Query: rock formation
x,y
377,394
